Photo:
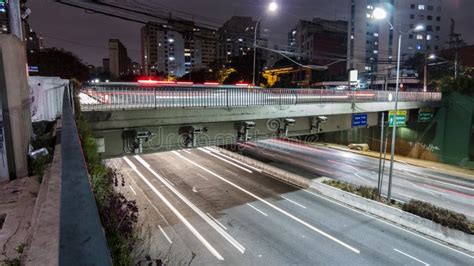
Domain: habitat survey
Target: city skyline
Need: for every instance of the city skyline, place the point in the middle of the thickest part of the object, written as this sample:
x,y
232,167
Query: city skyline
x,y
91,43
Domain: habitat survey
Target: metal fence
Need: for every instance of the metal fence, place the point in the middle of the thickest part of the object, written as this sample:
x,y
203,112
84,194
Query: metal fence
x,y
112,97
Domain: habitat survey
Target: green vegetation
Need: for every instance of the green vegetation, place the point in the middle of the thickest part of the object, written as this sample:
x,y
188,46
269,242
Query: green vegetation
x,y
17,260
43,138
425,210
118,215
463,84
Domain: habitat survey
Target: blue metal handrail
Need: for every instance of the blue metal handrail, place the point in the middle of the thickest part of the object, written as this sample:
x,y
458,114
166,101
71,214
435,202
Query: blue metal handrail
x,y
81,237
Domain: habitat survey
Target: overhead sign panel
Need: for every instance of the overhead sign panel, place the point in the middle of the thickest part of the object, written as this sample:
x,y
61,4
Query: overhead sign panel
x,y
402,117
359,120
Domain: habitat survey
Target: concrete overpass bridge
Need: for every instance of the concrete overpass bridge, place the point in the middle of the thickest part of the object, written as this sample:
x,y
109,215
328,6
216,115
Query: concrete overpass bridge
x,y
136,118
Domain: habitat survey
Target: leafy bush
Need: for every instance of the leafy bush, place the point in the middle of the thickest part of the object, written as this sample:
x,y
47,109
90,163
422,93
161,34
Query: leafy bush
x,y
441,216
425,210
118,215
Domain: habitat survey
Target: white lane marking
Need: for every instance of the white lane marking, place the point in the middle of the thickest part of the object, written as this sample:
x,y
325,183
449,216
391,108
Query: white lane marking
x,y
203,177
164,233
436,181
186,151
176,212
385,222
225,160
216,227
273,206
411,257
255,208
294,202
232,159
217,221
195,190
429,191
232,173
133,190
368,181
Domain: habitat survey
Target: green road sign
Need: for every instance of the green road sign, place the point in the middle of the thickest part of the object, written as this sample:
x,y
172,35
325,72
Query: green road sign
x,y
425,115
401,118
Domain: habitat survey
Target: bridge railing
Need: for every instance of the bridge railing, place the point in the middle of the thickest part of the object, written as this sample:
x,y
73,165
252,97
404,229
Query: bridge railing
x,y
106,97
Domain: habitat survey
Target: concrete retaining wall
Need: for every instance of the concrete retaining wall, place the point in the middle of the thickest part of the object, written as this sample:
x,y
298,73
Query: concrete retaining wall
x,y
422,225
270,170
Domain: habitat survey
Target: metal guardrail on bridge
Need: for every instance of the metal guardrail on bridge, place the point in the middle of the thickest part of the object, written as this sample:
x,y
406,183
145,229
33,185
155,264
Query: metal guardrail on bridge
x,y
116,97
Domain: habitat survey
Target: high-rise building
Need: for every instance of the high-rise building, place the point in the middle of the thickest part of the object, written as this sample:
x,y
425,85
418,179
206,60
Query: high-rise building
x,y
320,42
177,47
33,42
4,20
118,58
106,65
372,45
236,37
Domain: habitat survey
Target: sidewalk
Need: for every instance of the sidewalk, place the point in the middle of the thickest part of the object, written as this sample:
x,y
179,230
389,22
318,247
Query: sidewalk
x,y
17,202
452,169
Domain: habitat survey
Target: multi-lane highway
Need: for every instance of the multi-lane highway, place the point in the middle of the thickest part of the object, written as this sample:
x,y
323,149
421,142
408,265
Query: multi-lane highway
x,y
201,207
441,188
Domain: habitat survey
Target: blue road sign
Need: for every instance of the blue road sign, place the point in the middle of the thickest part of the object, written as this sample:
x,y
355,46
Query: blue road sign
x,y
359,120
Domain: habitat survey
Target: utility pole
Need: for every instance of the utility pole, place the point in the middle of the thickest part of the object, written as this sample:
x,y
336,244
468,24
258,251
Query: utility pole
x,y
15,18
382,122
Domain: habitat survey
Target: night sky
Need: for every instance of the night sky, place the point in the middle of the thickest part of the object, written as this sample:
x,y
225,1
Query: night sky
x,y
87,34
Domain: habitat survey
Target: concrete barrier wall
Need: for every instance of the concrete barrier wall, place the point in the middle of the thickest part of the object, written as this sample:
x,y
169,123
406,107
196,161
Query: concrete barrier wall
x,y
15,99
269,170
422,225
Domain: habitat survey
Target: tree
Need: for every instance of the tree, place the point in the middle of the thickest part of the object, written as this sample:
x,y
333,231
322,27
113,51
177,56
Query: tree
x,y
463,84
59,62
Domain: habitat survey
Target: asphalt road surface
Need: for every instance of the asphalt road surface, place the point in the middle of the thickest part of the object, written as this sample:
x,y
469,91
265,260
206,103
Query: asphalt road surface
x,y
444,189
205,208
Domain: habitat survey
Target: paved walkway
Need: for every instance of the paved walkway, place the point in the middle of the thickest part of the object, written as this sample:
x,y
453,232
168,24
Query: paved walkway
x,y
467,173
17,202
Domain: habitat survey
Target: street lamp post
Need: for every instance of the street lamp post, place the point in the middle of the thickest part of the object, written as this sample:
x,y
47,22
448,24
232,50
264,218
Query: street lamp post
x,y
444,61
381,14
272,7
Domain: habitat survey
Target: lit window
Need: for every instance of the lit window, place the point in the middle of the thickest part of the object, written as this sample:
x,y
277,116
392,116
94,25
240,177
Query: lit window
x,y
376,51
376,34
428,37
369,15
171,40
419,37
352,37
370,7
421,7
368,68
171,58
241,40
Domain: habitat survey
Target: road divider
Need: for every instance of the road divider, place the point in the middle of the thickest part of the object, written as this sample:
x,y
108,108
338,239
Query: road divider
x,y
411,221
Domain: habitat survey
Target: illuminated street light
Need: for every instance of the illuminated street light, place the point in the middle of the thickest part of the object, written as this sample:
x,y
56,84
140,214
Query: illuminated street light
x,y
381,14
432,57
272,8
